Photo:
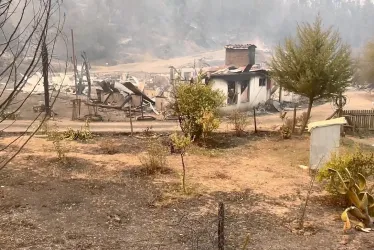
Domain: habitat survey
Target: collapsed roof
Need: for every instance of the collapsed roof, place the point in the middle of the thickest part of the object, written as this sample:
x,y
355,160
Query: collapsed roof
x,y
232,70
126,88
239,46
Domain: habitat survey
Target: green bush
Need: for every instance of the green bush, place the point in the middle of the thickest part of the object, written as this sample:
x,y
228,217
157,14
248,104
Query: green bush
x,y
197,104
77,135
59,144
154,160
240,121
181,143
83,134
286,129
356,162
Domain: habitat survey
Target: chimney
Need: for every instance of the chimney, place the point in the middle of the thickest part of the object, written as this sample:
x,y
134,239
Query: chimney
x,y
171,74
252,55
240,55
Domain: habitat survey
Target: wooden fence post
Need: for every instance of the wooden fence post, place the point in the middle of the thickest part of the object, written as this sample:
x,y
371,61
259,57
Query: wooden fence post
x,y
132,131
221,226
79,107
74,112
294,119
254,118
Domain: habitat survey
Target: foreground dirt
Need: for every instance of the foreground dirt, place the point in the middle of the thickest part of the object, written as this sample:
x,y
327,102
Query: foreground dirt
x,y
100,201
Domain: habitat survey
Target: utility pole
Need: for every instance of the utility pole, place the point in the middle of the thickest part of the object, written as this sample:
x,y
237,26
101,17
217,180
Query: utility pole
x,y
74,64
171,75
141,98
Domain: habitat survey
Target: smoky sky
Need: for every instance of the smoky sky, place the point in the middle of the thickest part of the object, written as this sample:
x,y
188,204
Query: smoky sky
x,y
126,29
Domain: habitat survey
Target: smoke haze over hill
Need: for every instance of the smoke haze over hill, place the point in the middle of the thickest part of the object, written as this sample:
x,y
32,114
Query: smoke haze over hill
x,y
128,30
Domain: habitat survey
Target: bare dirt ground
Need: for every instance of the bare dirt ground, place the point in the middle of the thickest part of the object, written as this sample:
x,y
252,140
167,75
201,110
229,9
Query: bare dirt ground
x,y
101,201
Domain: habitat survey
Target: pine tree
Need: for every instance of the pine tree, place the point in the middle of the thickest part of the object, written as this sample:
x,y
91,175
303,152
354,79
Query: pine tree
x,y
315,64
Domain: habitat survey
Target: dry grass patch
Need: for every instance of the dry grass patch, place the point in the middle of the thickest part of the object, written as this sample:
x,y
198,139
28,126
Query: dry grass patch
x,y
109,147
155,159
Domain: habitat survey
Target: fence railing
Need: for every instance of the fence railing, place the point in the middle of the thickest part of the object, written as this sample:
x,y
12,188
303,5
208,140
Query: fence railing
x,y
360,119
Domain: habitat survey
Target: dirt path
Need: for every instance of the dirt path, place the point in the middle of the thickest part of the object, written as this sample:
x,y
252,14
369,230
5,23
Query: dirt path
x,y
118,127
356,100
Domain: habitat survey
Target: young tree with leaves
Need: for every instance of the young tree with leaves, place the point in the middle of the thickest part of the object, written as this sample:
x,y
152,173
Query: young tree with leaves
x,y
181,143
315,64
196,105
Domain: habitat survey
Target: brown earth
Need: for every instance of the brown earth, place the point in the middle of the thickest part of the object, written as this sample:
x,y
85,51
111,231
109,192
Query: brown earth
x,y
98,201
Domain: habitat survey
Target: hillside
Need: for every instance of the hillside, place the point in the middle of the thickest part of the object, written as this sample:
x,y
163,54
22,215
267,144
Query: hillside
x,y
128,31
213,58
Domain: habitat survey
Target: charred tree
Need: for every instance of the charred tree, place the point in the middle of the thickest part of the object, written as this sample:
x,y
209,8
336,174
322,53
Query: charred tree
x,y
45,63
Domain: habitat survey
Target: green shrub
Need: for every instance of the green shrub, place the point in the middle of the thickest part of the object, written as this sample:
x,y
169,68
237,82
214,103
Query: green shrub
x,y
240,121
362,202
83,134
182,143
197,105
303,118
59,144
286,129
209,123
356,162
77,135
154,160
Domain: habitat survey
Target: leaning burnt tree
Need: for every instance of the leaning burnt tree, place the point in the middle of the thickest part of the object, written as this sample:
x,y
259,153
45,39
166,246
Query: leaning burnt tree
x,y
29,30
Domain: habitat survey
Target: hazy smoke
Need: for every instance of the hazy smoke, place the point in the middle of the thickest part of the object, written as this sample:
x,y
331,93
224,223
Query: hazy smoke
x,y
126,30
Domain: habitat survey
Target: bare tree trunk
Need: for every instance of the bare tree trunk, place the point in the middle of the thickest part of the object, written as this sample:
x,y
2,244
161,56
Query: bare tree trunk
x,y
310,105
74,64
294,119
340,112
45,63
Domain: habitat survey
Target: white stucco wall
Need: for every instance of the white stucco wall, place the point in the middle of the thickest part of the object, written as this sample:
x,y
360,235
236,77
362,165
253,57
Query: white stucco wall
x,y
258,94
191,71
323,142
219,84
